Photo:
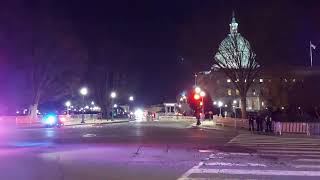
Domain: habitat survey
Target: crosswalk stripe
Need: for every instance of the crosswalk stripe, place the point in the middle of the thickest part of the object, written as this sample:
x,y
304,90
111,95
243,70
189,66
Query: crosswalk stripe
x,y
257,172
286,148
289,155
309,160
234,164
288,151
299,157
305,166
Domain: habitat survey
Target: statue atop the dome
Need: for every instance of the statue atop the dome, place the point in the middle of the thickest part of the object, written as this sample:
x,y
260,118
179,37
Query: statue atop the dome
x,y
233,25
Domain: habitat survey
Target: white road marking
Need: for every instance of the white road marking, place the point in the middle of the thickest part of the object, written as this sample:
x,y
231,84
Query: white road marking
x,y
189,172
289,155
306,151
305,166
234,164
288,151
309,160
256,172
89,135
206,150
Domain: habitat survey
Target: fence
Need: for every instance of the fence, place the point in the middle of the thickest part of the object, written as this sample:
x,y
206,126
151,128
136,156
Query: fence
x,y
232,122
175,117
285,127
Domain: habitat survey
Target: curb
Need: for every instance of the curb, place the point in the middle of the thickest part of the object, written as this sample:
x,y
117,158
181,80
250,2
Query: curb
x,y
78,124
98,123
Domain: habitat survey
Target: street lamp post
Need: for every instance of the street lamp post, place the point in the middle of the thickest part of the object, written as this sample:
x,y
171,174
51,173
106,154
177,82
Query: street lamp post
x,y
234,108
113,95
220,104
83,92
202,94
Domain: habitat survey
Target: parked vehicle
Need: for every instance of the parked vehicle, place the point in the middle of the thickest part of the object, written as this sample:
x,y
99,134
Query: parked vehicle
x,y
53,120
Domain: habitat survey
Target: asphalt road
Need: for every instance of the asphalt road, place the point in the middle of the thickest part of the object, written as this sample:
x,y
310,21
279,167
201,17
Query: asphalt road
x,y
155,150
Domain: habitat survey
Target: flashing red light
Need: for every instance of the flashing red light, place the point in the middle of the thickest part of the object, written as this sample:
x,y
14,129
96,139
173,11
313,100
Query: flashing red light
x,y
196,97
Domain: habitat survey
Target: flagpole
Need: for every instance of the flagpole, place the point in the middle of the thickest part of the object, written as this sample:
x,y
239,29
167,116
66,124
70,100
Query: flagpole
x,y
310,54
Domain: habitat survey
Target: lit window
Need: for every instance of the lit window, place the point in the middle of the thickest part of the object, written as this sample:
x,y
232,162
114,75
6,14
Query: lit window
x,y
228,80
229,92
293,80
254,92
237,92
261,80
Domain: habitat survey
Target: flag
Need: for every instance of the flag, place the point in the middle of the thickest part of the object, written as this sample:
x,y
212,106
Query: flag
x,y
312,45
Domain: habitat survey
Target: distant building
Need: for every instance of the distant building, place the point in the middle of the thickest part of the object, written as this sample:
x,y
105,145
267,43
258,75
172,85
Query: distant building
x,y
277,87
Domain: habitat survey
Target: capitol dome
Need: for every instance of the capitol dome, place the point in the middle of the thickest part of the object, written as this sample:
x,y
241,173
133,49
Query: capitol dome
x,y
234,51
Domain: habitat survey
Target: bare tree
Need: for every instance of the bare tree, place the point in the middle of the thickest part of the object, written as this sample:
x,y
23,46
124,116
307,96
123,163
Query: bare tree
x,y
237,60
52,74
55,65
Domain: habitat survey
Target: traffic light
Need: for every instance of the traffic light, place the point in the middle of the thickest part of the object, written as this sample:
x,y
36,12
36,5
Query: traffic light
x,y
196,96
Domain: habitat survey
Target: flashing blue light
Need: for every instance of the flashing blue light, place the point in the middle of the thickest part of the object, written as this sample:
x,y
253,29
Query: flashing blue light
x,y
50,119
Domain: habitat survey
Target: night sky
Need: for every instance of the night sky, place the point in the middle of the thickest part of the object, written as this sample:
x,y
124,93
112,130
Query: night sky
x,y
164,41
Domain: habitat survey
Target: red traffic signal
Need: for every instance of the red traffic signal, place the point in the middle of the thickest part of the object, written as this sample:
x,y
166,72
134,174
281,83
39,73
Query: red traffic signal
x,y
196,96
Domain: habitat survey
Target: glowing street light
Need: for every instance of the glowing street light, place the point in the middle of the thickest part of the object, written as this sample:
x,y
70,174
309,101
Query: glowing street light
x,y
197,90
113,94
92,102
202,94
68,104
84,91
131,98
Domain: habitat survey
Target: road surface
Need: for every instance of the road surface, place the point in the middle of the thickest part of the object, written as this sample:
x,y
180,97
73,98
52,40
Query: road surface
x,y
153,150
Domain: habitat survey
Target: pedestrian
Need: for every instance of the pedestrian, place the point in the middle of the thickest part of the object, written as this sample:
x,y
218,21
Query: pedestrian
x,y
251,123
259,123
268,121
197,114
278,128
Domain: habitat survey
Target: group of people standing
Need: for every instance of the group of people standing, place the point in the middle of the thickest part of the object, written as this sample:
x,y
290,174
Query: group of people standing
x,y
263,123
